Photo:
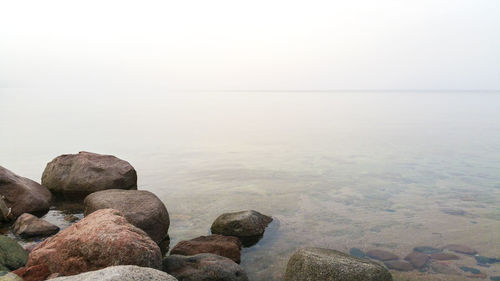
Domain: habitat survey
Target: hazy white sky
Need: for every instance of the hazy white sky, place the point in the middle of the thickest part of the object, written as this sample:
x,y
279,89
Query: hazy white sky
x,y
251,45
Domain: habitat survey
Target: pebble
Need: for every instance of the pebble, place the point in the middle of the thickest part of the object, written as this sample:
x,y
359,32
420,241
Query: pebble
x,y
470,269
460,249
444,256
399,265
485,260
444,268
427,250
418,260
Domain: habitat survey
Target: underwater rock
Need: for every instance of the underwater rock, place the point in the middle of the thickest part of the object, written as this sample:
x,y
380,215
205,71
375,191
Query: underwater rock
x,y
418,260
399,265
381,255
357,253
460,249
427,250
444,256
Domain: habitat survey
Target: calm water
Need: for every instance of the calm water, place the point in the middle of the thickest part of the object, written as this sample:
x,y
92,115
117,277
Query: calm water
x,y
338,170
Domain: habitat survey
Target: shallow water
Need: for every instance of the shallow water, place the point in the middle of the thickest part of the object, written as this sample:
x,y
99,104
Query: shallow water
x,y
388,170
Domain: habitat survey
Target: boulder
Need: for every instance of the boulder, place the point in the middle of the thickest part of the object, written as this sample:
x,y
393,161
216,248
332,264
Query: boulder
x,y
21,195
8,276
103,238
226,246
28,225
77,175
317,264
141,208
203,267
12,255
249,226
120,273
381,255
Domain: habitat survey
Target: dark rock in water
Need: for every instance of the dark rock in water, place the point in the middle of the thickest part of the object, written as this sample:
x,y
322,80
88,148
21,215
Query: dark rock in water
x,y
418,260
427,250
399,265
77,175
103,238
357,253
12,255
120,273
460,249
246,225
495,278
316,264
485,260
140,207
34,273
22,195
444,256
443,268
28,225
381,255
453,212
203,267
390,210
71,218
470,269
226,246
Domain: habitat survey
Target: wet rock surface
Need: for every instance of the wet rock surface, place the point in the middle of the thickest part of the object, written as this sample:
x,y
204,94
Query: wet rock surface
x,y
102,239
34,273
226,246
22,195
28,225
249,226
460,249
399,265
381,255
203,267
316,264
140,207
77,175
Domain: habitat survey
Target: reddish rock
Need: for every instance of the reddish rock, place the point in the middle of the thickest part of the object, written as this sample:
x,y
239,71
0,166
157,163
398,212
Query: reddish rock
x,y
444,256
104,238
140,207
226,246
399,265
418,260
381,255
34,273
28,225
22,195
77,175
460,249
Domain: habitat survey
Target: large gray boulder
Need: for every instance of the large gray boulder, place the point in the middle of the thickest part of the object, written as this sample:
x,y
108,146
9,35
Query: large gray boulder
x,y
203,267
317,264
140,207
120,273
77,175
244,224
21,195
28,225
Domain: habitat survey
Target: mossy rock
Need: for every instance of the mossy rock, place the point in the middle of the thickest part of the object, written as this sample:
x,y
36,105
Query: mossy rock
x,y
12,255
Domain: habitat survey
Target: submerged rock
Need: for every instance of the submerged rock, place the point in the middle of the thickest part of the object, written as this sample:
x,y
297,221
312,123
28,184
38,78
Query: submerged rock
x,y
77,175
226,246
28,225
22,195
399,265
418,260
104,238
120,273
316,264
470,269
140,207
460,249
203,267
443,268
485,260
246,225
427,250
453,212
357,253
12,255
381,255
444,256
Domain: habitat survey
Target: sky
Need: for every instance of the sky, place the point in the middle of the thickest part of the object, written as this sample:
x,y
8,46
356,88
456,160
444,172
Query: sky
x,y
251,45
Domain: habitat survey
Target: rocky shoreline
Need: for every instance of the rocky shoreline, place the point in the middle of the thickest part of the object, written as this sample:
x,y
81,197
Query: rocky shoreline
x,y
123,235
